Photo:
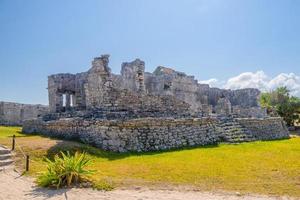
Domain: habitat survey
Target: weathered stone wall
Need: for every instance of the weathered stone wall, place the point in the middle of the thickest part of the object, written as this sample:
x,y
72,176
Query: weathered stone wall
x,y
265,129
132,76
251,112
146,134
142,111
243,97
70,85
151,134
95,88
166,81
223,106
14,113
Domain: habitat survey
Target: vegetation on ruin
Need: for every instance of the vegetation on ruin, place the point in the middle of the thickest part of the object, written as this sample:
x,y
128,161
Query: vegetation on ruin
x,y
269,167
281,102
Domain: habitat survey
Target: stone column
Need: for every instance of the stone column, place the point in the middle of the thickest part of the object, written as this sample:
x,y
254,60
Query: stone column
x,y
141,84
59,102
68,101
73,100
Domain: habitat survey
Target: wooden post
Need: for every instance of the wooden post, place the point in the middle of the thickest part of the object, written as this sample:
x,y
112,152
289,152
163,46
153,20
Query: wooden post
x,y
13,143
27,163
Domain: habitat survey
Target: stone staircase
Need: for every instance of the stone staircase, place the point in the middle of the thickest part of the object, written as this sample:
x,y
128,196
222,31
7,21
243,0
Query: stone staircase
x,y
233,132
5,159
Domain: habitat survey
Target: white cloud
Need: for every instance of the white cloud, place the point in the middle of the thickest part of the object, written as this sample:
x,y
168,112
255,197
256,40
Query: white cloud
x,y
291,81
248,80
213,82
260,81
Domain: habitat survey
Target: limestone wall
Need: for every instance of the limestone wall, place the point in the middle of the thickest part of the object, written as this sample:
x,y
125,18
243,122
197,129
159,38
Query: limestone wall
x,y
93,89
251,112
265,129
151,134
15,113
147,134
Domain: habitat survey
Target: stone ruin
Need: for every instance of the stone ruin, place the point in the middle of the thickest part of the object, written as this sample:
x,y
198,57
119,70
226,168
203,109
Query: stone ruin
x,y
14,114
142,111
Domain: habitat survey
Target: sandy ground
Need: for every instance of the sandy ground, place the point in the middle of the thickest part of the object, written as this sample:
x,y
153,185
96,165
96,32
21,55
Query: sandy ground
x,y
16,187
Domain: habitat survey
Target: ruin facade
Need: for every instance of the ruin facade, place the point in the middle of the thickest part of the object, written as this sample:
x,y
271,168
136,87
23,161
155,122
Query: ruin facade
x,y
14,114
99,88
126,111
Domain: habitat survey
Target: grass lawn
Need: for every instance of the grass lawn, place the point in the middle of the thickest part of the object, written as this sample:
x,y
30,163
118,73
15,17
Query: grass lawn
x,y
271,167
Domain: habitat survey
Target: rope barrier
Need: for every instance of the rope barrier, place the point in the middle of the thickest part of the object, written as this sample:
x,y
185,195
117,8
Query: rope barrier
x,y
26,156
18,146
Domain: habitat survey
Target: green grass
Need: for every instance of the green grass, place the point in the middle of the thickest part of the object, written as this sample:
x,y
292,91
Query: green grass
x,y
6,131
270,167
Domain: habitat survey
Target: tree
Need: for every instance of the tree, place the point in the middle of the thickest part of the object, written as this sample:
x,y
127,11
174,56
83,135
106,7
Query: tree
x,y
283,104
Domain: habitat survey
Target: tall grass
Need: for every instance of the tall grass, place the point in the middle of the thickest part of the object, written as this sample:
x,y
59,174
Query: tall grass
x,y
65,170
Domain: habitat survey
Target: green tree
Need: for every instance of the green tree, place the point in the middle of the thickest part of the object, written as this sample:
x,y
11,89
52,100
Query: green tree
x,y
282,103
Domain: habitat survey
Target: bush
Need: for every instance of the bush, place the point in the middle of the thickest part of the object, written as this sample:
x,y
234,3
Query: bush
x,y
282,103
65,170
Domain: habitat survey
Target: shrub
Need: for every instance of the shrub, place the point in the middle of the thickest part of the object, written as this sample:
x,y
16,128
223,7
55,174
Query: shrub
x,y
65,170
283,104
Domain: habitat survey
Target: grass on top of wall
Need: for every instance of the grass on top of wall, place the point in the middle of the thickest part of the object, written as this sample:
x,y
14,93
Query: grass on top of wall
x,y
269,167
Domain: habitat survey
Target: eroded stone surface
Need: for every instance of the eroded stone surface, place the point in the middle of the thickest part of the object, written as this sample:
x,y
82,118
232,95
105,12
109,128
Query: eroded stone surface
x,y
151,134
99,88
14,114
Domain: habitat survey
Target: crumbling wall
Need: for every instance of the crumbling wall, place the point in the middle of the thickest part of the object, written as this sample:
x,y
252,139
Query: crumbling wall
x,y
95,88
147,134
59,85
141,111
151,134
127,100
14,114
166,81
265,129
246,98
250,112
132,76
102,92
66,91
98,82
243,97
223,106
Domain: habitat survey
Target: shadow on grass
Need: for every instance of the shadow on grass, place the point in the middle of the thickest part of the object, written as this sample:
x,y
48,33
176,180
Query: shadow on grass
x,y
73,146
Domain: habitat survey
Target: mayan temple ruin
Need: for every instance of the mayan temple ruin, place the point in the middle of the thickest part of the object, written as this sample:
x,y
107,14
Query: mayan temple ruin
x,y
142,111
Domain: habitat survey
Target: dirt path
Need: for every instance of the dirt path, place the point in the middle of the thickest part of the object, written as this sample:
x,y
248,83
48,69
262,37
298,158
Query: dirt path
x,y
13,186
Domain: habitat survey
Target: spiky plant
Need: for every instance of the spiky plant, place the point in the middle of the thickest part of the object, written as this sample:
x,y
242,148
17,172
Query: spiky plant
x,y
65,170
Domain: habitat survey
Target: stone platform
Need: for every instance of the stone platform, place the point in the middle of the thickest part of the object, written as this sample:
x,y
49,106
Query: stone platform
x,y
152,134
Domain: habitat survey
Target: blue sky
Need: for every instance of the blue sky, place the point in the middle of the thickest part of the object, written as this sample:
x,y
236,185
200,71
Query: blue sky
x,y
219,41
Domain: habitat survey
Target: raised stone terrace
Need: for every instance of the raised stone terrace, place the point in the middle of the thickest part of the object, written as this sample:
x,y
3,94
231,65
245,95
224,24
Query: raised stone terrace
x,y
142,111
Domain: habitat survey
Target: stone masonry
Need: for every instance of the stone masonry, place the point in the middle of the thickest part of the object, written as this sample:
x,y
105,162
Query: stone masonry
x,y
99,88
142,111
151,134
14,114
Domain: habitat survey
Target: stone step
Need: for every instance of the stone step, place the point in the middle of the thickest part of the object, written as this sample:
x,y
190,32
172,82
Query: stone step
x,y
234,132
5,156
5,162
4,151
